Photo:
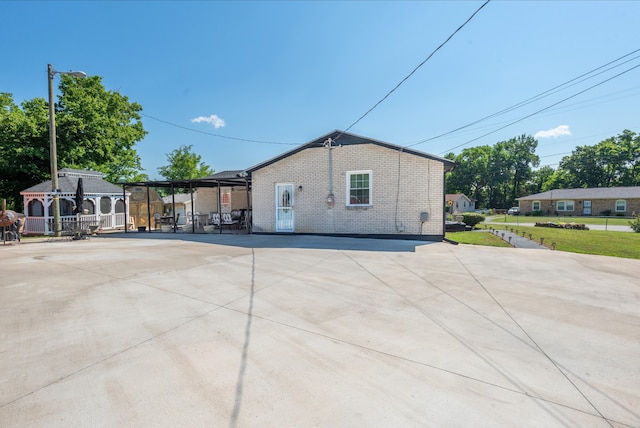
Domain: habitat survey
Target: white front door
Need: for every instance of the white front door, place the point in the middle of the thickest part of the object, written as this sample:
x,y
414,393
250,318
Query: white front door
x,y
586,208
284,207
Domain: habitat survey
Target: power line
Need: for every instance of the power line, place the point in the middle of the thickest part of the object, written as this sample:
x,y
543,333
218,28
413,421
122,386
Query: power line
x,y
541,110
217,135
414,70
537,97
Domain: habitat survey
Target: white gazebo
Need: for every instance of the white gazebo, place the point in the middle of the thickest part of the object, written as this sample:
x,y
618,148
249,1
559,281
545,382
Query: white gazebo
x,y
105,204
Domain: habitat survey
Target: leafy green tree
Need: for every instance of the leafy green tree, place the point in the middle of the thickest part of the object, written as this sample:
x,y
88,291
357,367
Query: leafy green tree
x,y
470,176
184,165
521,158
96,129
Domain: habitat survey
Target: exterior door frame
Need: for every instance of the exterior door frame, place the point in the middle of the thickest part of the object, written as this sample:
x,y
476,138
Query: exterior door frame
x,y
586,207
284,205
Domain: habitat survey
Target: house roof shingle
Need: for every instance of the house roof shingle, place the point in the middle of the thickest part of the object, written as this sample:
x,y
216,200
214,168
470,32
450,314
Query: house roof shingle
x,y
92,182
344,139
588,193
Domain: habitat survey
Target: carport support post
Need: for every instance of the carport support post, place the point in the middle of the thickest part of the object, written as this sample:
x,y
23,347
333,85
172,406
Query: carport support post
x,y
126,210
173,208
219,208
246,216
193,224
149,210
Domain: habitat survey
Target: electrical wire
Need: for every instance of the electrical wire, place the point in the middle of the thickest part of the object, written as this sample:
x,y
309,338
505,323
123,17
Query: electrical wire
x,y
217,135
541,110
414,70
538,96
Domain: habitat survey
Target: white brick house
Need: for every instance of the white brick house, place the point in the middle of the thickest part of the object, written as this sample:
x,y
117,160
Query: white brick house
x,y
344,184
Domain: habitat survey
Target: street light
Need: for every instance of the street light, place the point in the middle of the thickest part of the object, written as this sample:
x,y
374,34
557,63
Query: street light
x,y
52,145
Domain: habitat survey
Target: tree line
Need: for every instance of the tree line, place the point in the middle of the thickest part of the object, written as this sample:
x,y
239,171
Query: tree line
x,y
496,175
96,130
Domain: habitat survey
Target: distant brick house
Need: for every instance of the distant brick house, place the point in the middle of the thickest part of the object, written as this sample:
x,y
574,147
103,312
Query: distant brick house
x,y
460,203
593,201
344,184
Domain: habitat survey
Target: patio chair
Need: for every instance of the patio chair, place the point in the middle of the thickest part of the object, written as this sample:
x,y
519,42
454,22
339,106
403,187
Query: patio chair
x,y
157,220
214,218
227,220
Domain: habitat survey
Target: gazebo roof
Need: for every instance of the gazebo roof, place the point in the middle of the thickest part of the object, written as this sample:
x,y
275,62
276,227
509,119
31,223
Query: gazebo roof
x,y
92,181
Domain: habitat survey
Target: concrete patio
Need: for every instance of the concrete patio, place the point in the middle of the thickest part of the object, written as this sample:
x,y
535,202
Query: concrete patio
x,y
168,330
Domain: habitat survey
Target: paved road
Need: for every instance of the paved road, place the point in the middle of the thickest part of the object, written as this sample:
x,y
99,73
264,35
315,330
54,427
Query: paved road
x,y
159,330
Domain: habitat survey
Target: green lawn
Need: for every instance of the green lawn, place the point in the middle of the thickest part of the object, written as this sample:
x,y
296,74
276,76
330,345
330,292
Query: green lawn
x,y
477,238
613,220
600,242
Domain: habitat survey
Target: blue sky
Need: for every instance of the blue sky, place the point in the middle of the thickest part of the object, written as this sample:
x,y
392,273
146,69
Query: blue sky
x,y
285,73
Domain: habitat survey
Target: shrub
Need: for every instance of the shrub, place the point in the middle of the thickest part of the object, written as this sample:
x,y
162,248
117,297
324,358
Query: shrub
x,y
620,214
635,224
472,219
606,212
537,213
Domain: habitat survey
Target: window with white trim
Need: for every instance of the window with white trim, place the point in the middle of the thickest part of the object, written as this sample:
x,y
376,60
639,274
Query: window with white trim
x,y
359,188
535,206
621,206
565,206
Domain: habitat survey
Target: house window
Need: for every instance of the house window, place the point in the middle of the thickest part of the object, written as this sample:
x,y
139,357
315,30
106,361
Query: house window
x,y
535,206
621,206
564,206
359,184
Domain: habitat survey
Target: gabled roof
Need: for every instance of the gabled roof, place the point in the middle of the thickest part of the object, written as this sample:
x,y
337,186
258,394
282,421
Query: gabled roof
x,y
68,182
226,175
453,196
590,193
341,138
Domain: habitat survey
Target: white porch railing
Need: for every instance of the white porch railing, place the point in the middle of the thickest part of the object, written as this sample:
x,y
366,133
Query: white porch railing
x,y
44,225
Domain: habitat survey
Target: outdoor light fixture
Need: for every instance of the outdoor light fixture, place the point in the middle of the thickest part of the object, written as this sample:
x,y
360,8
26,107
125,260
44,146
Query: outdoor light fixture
x,y
52,145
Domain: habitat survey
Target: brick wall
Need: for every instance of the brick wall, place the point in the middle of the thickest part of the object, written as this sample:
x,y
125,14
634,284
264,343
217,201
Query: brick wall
x,y
403,185
598,206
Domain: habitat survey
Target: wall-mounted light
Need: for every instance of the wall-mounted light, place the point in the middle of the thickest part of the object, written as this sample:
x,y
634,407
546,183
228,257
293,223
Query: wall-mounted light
x,y
300,188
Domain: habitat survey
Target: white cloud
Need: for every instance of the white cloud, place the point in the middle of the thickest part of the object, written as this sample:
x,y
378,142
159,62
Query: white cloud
x,y
213,119
555,132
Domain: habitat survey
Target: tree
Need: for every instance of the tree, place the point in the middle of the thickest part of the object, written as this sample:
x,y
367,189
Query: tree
x,y
96,129
521,157
470,176
184,165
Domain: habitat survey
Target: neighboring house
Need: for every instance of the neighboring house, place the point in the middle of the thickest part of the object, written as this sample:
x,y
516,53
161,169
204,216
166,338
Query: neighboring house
x,y
460,203
594,201
104,203
183,203
231,197
344,184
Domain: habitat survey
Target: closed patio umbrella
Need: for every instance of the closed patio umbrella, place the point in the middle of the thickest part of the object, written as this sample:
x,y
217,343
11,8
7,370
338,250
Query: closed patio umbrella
x,y
79,199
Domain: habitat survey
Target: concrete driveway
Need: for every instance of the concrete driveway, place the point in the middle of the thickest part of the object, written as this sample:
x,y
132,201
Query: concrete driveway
x,y
157,330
